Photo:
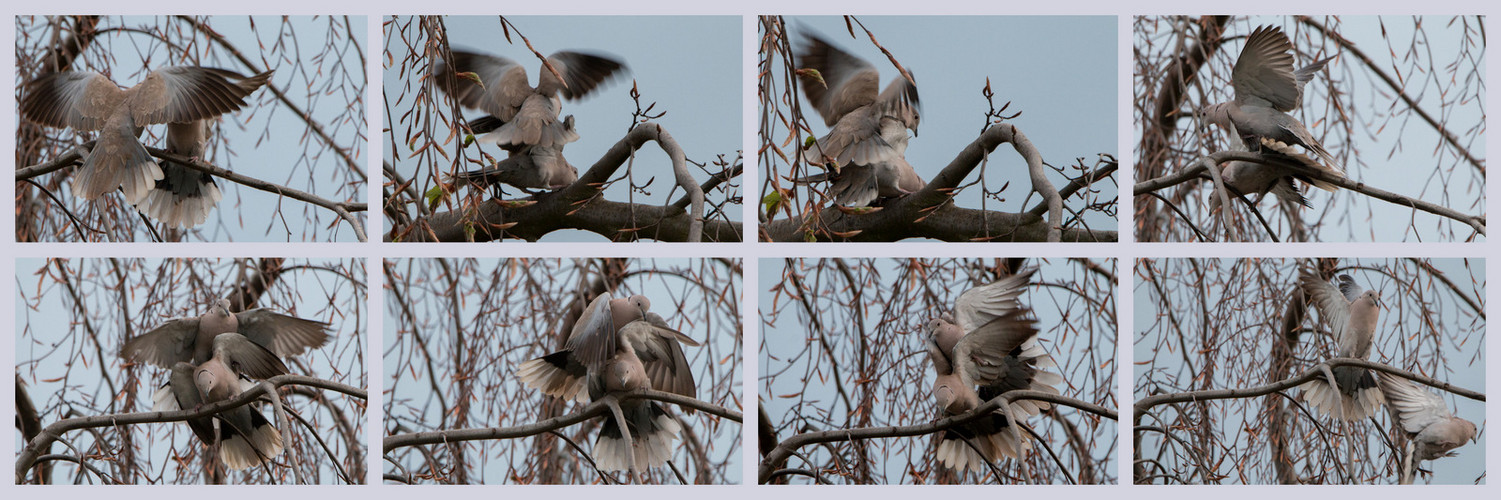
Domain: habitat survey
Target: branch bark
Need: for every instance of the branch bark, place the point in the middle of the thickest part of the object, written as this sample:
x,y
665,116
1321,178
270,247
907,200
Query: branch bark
x,y
591,410
773,460
930,212
1476,222
28,455
580,206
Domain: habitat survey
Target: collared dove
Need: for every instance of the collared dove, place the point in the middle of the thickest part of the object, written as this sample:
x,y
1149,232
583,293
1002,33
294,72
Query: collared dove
x,y
542,167
235,359
990,342
616,346
1256,179
529,115
1266,89
89,101
1427,421
183,197
1351,314
258,443
867,140
192,339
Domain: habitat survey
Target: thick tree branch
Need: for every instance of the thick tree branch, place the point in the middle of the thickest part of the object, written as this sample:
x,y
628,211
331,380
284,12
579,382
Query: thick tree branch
x,y
28,455
580,206
773,460
1199,167
591,410
930,213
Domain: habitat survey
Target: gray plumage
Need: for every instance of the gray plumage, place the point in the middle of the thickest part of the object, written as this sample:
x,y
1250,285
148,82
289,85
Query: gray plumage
x,y
617,345
183,197
89,101
529,115
1266,89
1352,315
191,339
246,439
985,348
540,167
867,139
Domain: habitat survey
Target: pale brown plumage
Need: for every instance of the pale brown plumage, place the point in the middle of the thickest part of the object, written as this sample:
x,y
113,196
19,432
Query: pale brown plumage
x,y
246,438
89,101
529,115
1266,89
541,167
1352,315
985,348
867,139
617,345
1423,416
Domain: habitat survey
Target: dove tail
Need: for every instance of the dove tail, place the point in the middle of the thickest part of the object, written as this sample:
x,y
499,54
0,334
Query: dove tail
x,y
1358,396
183,197
117,161
652,434
244,450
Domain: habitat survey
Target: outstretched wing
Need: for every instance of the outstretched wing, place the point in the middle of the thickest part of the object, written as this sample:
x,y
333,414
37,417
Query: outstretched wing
x,y
849,82
979,306
165,345
284,335
501,85
582,72
1415,408
1333,307
1263,75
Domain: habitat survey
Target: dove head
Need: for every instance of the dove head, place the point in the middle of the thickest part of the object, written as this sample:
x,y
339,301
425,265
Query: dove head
x,y
1471,430
943,333
1372,296
641,303
221,307
1218,114
204,380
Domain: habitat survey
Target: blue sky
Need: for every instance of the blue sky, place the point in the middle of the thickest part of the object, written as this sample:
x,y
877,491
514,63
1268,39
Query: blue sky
x,y
1403,325
1402,155
42,350
690,66
1066,92
289,154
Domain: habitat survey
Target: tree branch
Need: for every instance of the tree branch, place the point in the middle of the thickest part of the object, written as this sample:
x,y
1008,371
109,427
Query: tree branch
x,y
773,460
28,455
580,206
345,210
1148,402
1476,222
930,213
593,409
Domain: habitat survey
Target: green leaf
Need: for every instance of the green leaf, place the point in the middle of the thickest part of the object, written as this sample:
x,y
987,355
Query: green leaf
x,y
434,196
772,201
